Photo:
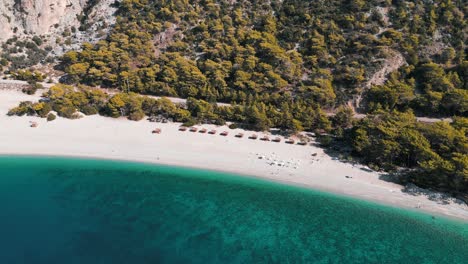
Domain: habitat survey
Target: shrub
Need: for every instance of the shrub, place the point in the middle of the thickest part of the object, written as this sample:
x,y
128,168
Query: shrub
x,y
31,45
23,109
43,109
37,40
89,110
32,88
29,76
136,115
221,122
190,123
67,112
51,117
233,126
325,140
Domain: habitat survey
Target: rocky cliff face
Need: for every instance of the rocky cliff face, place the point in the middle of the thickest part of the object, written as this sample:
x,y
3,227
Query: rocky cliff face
x,y
50,18
38,17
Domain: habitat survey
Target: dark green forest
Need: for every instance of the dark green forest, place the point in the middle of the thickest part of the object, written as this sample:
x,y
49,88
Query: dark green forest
x,y
317,53
289,63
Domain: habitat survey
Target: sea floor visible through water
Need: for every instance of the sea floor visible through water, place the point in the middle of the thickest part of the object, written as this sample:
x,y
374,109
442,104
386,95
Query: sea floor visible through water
x,y
64,210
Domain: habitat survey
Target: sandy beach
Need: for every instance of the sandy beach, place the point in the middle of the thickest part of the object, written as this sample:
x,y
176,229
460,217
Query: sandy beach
x,y
102,137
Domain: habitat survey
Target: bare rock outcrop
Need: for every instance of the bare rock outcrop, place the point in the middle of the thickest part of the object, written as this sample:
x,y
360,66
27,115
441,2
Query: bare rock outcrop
x,y
38,17
50,18
393,61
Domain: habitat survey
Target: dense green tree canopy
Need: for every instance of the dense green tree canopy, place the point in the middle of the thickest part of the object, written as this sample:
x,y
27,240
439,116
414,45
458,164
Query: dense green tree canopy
x,y
322,52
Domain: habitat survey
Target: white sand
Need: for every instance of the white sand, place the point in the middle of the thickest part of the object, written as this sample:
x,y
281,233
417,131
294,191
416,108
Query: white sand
x,y
102,137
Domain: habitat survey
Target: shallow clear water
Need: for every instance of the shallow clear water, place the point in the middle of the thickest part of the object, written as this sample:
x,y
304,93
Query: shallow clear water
x,y
58,210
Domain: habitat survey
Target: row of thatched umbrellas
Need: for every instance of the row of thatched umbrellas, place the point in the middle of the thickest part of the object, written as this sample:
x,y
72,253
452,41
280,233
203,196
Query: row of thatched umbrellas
x,y
240,135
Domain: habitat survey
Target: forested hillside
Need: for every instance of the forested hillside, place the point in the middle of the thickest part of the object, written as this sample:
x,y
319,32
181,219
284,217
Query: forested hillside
x,y
287,63
319,52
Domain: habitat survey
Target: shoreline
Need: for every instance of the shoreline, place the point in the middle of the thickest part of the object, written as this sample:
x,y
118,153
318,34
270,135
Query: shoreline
x,y
257,177
120,139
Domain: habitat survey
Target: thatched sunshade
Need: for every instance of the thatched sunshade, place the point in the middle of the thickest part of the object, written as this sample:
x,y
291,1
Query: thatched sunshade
x,y
193,129
254,136
290,141
276,139
240,135
224,133
212,132
182,128
156,131
203,130
302,143
265,138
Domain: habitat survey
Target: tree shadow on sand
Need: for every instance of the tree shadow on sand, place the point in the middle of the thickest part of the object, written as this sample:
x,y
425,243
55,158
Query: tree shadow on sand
x,y
343,154
414,190
439,197
389,177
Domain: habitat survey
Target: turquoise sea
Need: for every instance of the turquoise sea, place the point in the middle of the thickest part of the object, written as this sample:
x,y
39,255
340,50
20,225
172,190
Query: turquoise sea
x,y
61,210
